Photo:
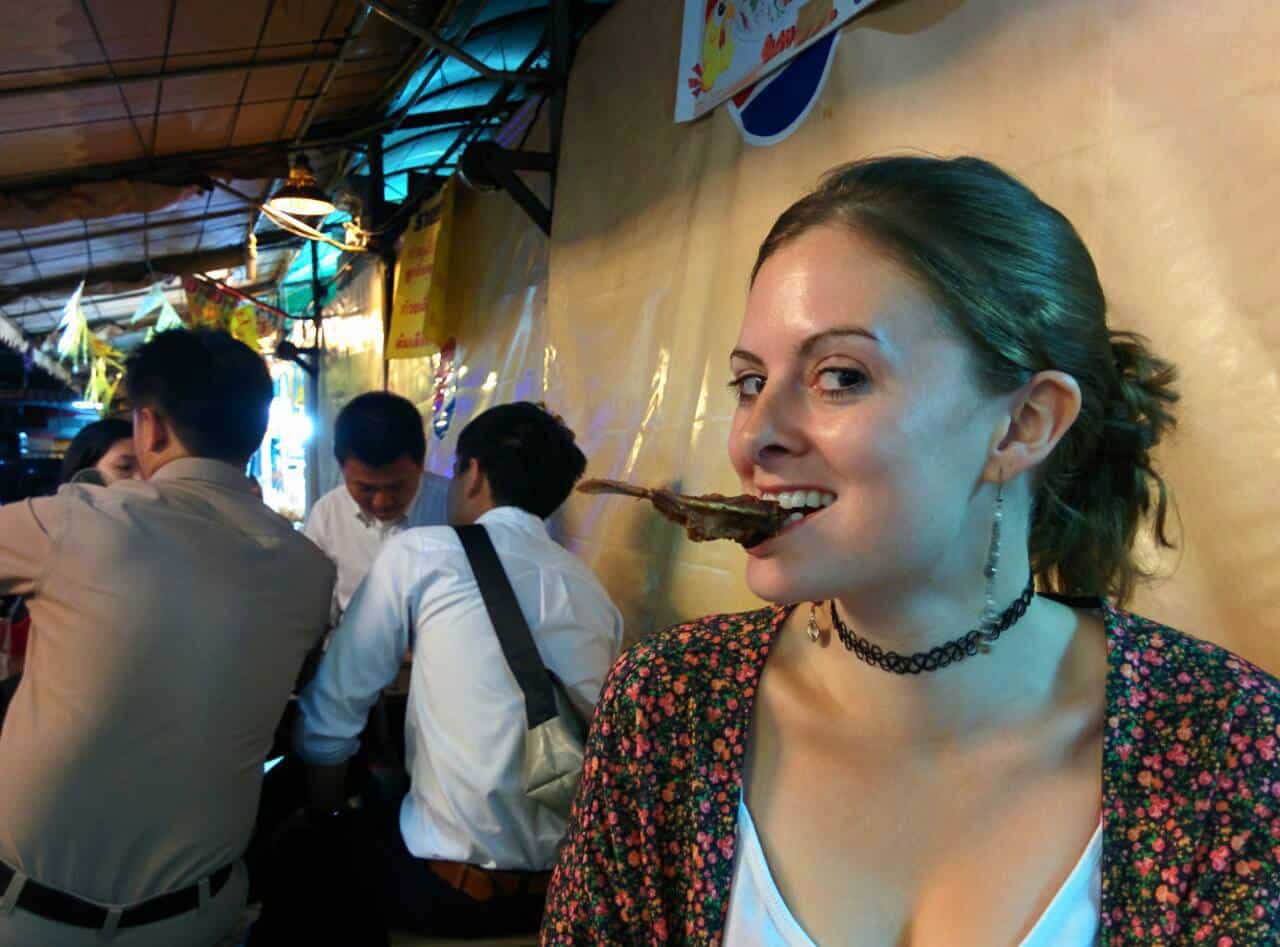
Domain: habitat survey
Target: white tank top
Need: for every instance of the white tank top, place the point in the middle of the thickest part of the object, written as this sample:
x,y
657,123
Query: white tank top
x,y
758,917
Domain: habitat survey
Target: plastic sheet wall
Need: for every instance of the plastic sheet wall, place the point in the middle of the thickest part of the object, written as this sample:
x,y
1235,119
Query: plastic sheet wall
x,y
498,280
352,364
1151,124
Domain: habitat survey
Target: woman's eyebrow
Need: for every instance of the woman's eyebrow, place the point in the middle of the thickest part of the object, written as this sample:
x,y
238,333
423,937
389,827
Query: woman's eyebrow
x,y
808,345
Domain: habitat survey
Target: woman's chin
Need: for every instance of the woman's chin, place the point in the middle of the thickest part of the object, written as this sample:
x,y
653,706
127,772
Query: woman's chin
x,y
767,580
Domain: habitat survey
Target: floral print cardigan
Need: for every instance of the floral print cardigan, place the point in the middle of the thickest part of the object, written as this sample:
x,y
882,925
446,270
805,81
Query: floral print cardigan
x,y
1191,790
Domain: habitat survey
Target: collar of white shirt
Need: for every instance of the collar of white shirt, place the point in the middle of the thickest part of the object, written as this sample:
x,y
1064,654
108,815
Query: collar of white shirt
x,y
514,517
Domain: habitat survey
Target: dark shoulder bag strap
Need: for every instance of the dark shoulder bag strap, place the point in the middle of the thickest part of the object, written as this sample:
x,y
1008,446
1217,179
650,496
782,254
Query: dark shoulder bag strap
x,y
508,621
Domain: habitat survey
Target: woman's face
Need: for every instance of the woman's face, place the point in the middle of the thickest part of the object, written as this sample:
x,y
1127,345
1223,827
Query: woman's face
x,y
858,403
119,462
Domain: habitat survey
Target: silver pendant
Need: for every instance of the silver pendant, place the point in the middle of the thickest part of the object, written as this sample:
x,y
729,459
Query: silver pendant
x,y
812,629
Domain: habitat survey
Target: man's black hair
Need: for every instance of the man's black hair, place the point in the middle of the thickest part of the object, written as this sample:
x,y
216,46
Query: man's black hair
x,y
527,453
378,428
214,391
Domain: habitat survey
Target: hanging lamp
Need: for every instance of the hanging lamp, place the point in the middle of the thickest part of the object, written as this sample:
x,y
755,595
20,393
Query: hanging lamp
x,y
300,195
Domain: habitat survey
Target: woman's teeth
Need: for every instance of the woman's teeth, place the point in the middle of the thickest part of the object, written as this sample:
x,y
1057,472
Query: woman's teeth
x,y
803,501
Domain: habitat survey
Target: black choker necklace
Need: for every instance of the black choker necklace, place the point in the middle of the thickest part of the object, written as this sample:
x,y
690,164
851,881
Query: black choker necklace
x,y
966,646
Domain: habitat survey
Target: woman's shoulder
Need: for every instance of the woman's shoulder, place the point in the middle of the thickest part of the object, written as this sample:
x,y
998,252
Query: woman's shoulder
x,y
1170,674
715,654
1191,756
1145,651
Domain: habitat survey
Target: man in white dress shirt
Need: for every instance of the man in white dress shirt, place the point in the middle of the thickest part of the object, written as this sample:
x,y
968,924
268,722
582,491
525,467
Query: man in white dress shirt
x,y
466,852
380,447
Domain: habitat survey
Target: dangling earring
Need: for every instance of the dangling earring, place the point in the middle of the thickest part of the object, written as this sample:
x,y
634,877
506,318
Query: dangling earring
x,y
991,569
812,629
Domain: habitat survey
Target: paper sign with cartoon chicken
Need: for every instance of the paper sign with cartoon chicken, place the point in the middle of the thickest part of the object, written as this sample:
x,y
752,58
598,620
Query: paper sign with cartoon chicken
x,y
717,46
728,45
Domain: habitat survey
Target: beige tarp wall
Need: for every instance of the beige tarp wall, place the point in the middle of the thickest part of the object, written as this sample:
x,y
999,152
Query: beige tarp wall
x,y
498,279
499,284
352,364
1153,125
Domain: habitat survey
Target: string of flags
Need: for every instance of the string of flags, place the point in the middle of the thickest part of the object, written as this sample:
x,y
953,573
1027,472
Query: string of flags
x,y
209,306
79,345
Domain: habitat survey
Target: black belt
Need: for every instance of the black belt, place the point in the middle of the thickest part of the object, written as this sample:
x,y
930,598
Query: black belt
x,y
68,909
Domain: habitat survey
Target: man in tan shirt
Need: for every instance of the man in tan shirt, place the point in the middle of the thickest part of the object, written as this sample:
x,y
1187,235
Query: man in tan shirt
x,y
169,619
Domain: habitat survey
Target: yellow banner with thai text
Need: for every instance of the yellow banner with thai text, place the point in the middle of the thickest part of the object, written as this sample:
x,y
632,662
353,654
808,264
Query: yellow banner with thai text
x,y
421,320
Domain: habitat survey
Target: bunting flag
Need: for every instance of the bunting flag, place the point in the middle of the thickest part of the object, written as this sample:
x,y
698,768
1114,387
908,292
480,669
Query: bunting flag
x,y
105,372
210,307
77,343
207,306
244,326
73,331
168,318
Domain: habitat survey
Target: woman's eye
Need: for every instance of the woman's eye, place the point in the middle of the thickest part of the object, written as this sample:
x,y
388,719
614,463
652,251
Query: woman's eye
x,y
841,379
747,386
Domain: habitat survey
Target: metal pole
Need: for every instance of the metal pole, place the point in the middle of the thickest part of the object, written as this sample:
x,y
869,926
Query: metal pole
x,y
448,48
377,216
313,383
561,30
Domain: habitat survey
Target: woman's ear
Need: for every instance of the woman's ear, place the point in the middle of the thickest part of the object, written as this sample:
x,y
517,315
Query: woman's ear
x,y
1040,413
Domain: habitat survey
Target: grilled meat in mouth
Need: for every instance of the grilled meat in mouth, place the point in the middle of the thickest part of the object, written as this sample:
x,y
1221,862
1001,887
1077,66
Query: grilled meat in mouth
x,y
744,519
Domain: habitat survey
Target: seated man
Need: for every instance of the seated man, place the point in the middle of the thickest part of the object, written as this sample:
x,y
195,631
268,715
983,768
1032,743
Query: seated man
x,y
380,447
169,618
465,852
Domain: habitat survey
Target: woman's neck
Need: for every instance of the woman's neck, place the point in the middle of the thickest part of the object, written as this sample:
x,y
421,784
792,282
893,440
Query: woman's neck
x,y
1023,676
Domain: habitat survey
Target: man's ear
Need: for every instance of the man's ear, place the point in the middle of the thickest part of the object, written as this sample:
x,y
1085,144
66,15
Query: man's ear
x,y
474,482
154,433
1040,413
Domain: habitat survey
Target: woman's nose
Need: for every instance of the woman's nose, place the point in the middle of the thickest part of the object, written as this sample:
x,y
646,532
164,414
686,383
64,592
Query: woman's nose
x,y
773,428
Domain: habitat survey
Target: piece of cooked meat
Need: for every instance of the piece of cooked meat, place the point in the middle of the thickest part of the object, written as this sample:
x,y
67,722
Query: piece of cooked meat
x,y
744,519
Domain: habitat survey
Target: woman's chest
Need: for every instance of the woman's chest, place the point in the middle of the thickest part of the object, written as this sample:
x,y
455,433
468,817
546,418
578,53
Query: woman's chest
x,y
875,849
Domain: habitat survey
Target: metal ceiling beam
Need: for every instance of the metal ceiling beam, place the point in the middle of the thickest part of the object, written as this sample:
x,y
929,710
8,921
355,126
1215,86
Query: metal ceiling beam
x,y
335,63
426,184
137,294
184,168
96,82
141,270
486,164
353,131
449,49
560,28
420,97
21,317
424,120
151,224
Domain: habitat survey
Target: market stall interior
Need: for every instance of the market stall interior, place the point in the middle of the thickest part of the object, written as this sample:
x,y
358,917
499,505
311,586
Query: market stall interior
x,y
162,153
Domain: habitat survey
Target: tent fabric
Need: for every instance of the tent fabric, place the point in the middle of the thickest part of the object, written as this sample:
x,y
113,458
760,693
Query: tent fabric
x,y
1124,116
